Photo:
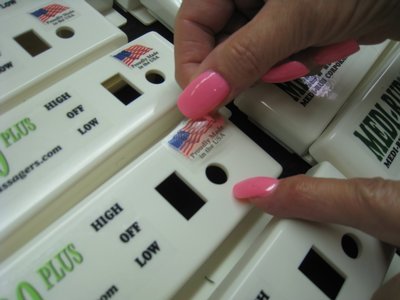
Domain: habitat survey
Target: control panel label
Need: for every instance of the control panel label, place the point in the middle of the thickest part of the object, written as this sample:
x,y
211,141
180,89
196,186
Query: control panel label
x,y
8,63
7,4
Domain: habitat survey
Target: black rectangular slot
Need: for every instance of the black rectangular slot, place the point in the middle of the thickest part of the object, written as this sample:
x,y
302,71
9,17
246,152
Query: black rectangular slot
x,y
32,43
124,92
180,196
322,274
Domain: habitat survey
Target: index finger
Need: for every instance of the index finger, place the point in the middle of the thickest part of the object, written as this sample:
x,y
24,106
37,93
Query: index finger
x,y
196,25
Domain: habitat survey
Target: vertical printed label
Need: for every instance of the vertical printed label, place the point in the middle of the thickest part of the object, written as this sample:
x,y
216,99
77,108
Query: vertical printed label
x,y
379,131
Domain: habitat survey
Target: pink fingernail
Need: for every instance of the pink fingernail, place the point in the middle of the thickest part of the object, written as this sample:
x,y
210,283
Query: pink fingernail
x,y
286,72
329,54
255,187
203,95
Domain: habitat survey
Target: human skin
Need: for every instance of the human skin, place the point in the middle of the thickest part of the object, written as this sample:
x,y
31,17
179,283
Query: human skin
x,y
232,44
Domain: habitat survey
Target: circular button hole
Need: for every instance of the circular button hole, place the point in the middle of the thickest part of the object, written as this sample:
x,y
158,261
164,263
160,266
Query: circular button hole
x,y
350,246
65,32
216,174
155,77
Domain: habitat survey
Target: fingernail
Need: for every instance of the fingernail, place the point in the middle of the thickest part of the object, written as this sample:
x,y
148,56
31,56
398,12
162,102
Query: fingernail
x,y
255,187
203,95
329,54
286,72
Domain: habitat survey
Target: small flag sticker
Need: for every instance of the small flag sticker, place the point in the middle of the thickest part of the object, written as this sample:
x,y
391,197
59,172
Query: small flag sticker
x,y
47,12
129,55
198,137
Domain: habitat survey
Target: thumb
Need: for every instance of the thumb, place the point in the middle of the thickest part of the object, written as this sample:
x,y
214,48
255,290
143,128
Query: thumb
x,y
371,205
389,291
242,59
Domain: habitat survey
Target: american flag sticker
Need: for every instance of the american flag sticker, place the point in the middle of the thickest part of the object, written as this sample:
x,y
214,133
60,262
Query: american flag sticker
x,y
197,138
48,12
131,54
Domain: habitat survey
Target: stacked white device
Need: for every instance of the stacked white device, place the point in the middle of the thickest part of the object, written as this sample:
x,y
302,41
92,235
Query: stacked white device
x,y
148,11
354,125
294,259
165,225
42,42
155,222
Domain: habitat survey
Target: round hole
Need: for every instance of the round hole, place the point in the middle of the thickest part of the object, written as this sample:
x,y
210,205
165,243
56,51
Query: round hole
x,y
65,32
155,77
216,174
350,246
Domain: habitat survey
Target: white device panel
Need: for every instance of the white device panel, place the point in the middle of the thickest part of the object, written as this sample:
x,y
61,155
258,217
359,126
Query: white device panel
x,y
67,140
294,259
363,140
295,113
148,229
46,40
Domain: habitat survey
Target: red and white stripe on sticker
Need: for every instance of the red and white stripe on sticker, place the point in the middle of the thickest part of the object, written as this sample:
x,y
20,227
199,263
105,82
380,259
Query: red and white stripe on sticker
x,y
196,134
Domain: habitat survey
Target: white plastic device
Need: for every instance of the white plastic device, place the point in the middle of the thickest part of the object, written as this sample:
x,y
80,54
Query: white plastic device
x,y
294,259
68,139
146,231
296,113
46,41
164,11
136,9
148,11
105,7
364,139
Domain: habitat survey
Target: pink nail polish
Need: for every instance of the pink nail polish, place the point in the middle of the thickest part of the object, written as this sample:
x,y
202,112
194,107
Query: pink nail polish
x,y
329,54
203,95
286,72
255,187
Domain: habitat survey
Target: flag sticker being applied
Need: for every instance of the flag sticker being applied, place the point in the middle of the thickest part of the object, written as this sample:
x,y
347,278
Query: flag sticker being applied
x,y
133,56
197,138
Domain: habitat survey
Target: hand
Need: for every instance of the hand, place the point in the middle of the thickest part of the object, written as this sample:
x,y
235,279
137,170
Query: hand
x,y
371,205
223,47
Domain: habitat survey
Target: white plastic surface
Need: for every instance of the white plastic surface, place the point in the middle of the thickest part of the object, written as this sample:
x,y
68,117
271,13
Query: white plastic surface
x,y
163,10
126,240
297,112
136,9
67,140
68,42
148,11
105,7
101,5
363,140
271,266
8,7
